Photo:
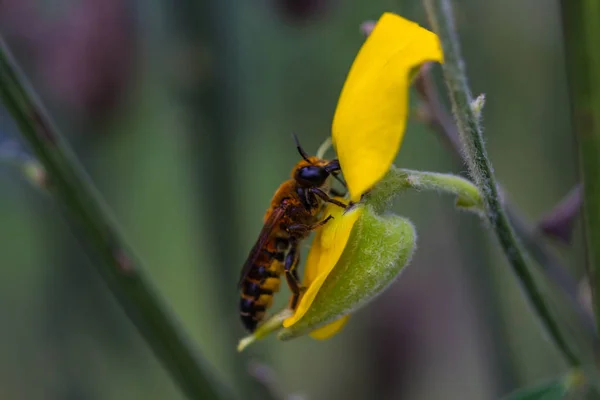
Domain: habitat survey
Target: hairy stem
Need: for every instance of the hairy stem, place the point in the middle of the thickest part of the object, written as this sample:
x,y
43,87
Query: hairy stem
x,y
441,122
440,16
397,180
123,274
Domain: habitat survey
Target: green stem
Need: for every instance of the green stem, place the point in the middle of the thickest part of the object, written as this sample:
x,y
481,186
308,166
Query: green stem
x,y
444,125
123,274
441,19
469,199
397,180
582,40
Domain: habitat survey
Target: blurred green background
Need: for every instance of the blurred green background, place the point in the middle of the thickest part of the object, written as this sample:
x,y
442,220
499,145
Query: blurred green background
x,y
181,112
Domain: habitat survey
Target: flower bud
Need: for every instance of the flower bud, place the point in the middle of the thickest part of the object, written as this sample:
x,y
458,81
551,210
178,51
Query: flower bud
x,y
380,246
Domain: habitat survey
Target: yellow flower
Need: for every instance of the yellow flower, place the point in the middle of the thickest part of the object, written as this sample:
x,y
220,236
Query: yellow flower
x,y
367,132
359,253
371,115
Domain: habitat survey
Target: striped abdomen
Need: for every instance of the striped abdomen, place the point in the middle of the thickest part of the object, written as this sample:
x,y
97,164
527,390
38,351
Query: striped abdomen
x,y
261,283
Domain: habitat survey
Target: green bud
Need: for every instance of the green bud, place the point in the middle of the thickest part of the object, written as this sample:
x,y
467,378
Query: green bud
x,y
477,105
380,246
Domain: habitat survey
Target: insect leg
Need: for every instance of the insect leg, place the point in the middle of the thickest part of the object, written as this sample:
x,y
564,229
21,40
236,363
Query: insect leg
x,y
333,167
321,223
295,270
328,199
298,228
291,275
301,228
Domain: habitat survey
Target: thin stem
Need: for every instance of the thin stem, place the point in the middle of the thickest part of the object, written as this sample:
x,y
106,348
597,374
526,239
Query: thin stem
x,y
582,38
470,132
442,123
123,274
397,180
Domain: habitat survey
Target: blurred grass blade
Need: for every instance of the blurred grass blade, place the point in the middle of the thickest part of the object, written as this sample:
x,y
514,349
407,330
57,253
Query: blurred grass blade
x,y
123,274
582,41
555,389
559,222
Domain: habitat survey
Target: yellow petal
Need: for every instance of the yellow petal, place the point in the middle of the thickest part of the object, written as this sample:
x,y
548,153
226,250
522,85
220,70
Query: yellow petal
x,y
327,247
329,330
371,115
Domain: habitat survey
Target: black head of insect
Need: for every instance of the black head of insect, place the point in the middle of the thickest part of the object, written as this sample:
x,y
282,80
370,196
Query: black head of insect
x,y
313,171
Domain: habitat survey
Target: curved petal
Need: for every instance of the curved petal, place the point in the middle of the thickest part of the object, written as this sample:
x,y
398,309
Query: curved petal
x,y
327,247
371,114
329,330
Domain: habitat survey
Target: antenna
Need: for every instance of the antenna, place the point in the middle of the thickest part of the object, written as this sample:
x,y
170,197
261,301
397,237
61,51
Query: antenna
x,y
300,149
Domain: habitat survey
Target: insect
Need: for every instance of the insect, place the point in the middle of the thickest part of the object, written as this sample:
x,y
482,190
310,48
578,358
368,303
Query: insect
x,y
295,211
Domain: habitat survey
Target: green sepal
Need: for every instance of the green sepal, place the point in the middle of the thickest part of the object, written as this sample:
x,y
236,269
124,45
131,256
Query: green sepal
x,y
380,246
270,325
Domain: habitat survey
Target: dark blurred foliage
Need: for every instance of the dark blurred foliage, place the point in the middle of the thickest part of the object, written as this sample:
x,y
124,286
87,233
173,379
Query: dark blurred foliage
x,y
301,10
84,52
192,103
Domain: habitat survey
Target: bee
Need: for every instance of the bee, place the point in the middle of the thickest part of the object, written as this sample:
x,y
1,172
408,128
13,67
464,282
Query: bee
x,y
295,211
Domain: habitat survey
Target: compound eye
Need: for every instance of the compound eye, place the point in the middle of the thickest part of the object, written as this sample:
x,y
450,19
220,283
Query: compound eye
x,y
312,175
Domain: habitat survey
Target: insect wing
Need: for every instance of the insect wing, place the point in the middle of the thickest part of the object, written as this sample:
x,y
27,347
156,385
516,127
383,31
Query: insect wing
x,y
265,232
